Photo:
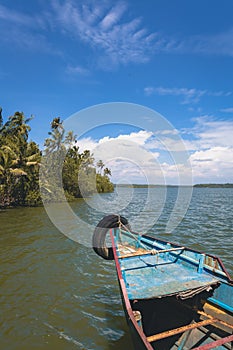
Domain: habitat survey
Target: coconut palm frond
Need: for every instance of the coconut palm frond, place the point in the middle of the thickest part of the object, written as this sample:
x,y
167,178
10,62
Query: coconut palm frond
x,y
31,163
15,161
18,172
1,170
34,158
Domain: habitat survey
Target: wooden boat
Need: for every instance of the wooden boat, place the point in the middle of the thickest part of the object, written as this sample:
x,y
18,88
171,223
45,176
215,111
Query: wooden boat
x,y
173,297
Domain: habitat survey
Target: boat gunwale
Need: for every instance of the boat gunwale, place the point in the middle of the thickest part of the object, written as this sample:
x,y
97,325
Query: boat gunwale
x,y
125,296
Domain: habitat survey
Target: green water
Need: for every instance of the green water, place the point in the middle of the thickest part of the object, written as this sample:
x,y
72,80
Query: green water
x,y
57,294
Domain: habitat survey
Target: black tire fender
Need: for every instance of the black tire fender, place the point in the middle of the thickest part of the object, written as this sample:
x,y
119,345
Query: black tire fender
x,y
101,231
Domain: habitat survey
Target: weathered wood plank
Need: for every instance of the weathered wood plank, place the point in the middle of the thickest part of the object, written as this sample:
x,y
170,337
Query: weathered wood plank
x,y
180,330
149,252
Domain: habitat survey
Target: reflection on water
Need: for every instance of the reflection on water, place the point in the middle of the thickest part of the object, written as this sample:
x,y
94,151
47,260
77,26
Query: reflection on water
x,y
57,294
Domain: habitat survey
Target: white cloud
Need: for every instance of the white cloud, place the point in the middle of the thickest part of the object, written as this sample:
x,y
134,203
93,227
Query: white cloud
x,y
105,27
211,145
214,154
115,38
18,18
108,30
140,138
213,133
113,16
128,161
157,158
87,143
135,157
77,70
26,31
217,44
189,95
213,165
227,110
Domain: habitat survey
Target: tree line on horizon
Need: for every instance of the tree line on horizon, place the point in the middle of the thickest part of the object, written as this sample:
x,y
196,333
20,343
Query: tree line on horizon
x,y
26,172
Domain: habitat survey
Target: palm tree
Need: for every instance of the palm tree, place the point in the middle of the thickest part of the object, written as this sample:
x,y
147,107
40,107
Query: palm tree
x,y
59,150
107,172
70,139
87,160
100,165
18,159
9,173
57,134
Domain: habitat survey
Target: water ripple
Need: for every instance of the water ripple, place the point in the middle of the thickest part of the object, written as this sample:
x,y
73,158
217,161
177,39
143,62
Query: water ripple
x,y
57,294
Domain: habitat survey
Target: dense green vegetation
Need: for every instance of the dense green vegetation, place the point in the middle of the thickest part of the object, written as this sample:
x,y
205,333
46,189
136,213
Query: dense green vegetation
x,y
22,166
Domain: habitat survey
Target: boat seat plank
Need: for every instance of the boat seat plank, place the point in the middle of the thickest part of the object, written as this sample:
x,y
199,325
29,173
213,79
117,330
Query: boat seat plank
x,y
150,252
150,277
179,330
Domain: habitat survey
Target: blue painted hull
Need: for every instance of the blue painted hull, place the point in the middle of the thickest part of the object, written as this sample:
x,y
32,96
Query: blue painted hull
x,y
184,297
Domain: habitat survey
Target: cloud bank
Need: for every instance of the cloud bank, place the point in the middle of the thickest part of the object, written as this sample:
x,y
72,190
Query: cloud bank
x,y
209,143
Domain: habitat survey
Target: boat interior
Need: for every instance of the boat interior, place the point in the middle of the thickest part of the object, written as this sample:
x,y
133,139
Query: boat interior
x,y
170,323
173,290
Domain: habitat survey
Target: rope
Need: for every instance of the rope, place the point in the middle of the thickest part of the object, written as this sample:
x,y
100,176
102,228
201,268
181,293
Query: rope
x,y
121,225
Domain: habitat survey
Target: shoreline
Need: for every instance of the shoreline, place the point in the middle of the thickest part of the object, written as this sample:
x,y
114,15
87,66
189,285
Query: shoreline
x,y
208,185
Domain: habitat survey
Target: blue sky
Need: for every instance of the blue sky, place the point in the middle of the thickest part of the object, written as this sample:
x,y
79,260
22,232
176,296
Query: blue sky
x,y
175,57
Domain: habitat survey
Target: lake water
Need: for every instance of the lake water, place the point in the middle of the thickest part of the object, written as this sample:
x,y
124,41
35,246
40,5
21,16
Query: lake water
x,y
56,293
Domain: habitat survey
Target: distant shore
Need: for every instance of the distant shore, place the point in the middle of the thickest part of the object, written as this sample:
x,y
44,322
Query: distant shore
x,y
227,185
210,185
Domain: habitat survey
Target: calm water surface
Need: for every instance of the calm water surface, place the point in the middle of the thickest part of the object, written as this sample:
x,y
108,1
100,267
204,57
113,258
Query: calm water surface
x,y
57,294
